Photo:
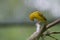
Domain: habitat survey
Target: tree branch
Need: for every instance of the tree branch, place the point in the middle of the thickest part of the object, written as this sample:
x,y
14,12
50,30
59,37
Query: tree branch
x,y
37,35
53,23
48,26
54,33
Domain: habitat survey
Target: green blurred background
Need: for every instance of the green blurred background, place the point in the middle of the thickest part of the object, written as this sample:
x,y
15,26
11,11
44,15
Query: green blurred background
x,y
15,23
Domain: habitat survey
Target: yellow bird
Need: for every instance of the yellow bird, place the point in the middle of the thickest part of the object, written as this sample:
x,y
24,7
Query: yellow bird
x,y
37,15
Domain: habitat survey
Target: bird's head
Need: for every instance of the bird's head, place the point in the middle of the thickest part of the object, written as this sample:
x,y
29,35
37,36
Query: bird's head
x,y
32,15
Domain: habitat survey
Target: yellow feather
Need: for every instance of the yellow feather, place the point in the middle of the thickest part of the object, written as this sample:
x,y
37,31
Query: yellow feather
x,y
37,15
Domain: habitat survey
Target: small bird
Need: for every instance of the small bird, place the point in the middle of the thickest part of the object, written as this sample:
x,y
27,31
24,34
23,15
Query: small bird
x,y
37,15
40,19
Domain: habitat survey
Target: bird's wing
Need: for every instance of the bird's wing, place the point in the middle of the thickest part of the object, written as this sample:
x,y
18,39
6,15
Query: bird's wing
x,y
41,15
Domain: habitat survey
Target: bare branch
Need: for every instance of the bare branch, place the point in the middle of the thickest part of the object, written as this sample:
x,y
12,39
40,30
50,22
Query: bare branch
x,y
37,35
53,23
48,26
54,33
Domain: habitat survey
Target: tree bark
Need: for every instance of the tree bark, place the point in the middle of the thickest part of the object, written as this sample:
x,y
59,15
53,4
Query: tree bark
x,y
37,35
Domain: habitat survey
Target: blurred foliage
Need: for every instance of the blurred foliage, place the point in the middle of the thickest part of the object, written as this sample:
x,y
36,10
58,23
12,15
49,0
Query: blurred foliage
x,y
22,32
17,11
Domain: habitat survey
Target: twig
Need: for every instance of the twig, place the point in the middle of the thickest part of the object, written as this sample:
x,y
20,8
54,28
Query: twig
x,y
54,33
53,23
53,37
